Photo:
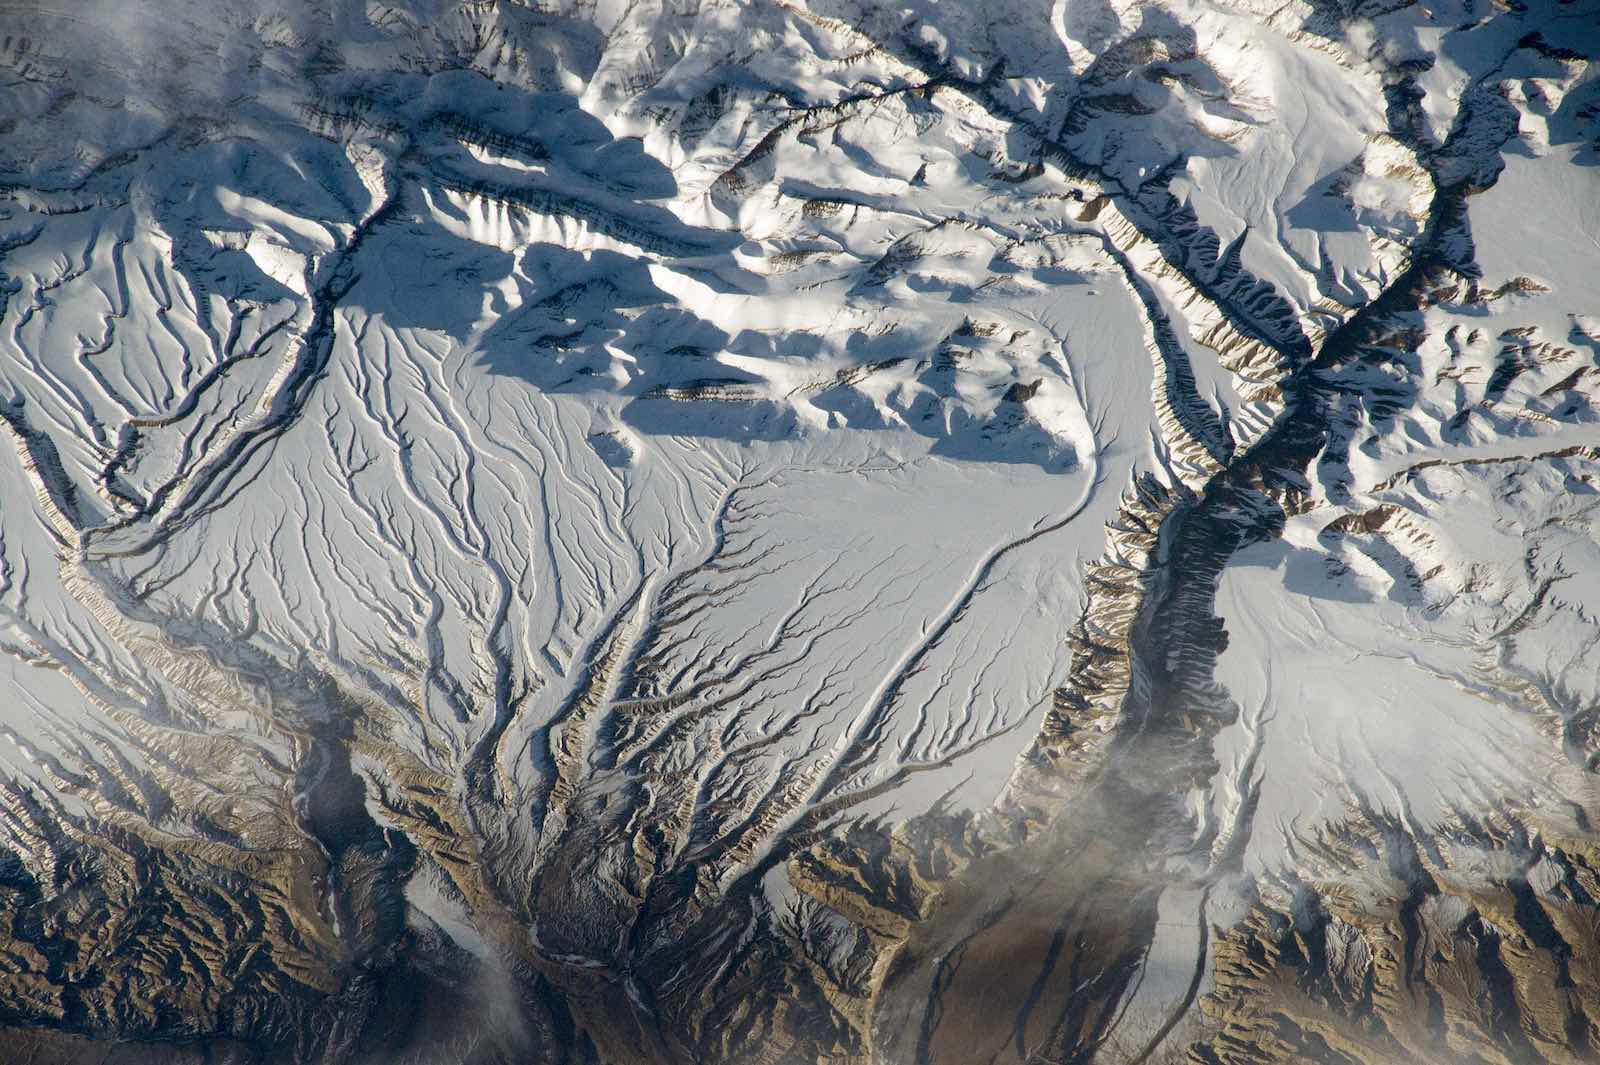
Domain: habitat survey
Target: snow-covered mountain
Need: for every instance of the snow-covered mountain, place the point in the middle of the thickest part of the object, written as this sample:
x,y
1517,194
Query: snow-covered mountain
x,y
767,532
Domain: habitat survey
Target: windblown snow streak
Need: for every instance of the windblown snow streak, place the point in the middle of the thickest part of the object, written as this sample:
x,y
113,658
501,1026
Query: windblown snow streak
x,y
703,532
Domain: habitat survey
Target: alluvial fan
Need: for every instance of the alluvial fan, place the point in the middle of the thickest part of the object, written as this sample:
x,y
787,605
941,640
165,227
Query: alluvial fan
x,y
683,531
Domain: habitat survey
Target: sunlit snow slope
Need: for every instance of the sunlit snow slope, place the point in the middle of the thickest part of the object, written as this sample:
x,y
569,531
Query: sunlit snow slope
x,y
690,532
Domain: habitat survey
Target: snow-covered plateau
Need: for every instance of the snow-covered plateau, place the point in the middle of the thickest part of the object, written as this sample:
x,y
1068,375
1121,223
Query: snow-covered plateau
x,y
751,531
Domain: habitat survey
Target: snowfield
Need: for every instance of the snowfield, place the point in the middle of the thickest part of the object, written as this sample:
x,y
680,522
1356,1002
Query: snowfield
x,y
795,532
